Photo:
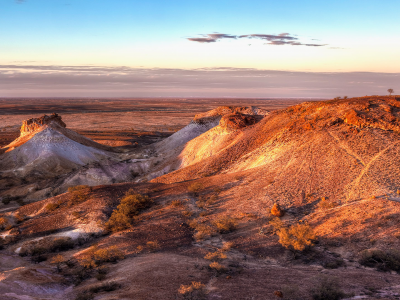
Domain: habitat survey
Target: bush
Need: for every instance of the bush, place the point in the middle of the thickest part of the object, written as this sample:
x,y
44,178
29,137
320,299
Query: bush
x,y
176,203
52,206
277,211
382,260
212,200
327,289
326,204
215,255
84,296
6,200
225,224
95,256
203,230
58,260
194,291
79,194
130,206
153,246
47,245
195,188
3,223
296,237
105,287
217,267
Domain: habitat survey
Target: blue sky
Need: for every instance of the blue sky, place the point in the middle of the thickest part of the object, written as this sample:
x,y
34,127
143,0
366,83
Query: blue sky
x,y
318,37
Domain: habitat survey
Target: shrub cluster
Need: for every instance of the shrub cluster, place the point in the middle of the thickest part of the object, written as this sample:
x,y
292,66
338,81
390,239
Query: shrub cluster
x,y
380,259
194,291
327,289
89,293
47,245
52,206
225,224
202,230
4,223
95,256
296,237
130,206
195,188
79,194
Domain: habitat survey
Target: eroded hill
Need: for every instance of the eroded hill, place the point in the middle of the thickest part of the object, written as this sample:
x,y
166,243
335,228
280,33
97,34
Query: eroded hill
x,y
331,166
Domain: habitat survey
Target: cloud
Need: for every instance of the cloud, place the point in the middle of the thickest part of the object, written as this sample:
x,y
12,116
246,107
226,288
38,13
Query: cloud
x,y
102,81
272,39
212,37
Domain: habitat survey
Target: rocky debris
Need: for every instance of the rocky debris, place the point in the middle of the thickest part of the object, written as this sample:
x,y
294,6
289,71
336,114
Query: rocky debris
x,y
34,124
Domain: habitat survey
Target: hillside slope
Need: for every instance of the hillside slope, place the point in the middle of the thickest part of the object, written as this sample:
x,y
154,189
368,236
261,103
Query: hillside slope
x,y
341,149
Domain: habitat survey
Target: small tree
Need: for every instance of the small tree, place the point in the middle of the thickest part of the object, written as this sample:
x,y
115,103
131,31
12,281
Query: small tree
x,y
390,91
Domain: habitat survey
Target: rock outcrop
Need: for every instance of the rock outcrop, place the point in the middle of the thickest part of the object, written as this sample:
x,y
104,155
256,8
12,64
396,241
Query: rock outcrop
x,y
34,124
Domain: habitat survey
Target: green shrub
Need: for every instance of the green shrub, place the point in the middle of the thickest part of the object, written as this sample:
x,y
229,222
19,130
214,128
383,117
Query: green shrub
x,y
380,259
327,289
130,206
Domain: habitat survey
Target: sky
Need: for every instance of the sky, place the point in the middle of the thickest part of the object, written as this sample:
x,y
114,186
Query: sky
x,y
219,48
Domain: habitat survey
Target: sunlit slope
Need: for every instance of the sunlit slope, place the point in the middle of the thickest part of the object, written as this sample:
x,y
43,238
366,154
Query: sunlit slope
x,y
343,149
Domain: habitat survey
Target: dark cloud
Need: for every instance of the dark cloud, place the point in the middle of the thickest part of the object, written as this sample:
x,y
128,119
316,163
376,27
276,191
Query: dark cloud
x,y
100,81
212,37
280,39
